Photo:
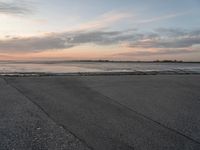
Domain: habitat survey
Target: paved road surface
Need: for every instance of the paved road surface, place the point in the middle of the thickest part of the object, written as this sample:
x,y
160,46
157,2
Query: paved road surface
x,y
154,112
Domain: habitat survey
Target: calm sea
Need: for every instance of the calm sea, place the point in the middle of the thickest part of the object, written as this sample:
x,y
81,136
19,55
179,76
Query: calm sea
x,y
74,67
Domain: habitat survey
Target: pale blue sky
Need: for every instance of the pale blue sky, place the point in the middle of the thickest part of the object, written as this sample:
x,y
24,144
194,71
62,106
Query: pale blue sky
x,y
87,10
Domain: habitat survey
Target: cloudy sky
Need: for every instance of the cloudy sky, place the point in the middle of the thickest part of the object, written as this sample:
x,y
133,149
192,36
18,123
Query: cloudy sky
x,y
100,29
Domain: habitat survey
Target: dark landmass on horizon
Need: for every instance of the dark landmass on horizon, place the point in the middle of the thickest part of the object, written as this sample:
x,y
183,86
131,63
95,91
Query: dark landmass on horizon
x,y
96,61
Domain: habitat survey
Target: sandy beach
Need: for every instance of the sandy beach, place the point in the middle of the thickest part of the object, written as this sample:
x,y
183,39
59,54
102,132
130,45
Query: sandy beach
x,y
140,112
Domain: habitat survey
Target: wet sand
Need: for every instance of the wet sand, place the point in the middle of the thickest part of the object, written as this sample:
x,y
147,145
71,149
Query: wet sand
x,y
155,112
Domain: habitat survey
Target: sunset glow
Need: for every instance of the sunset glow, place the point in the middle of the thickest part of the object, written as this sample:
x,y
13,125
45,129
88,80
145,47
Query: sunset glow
x,y
114,30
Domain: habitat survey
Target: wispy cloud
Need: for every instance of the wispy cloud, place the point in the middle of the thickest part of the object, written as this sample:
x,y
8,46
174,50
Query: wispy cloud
x,y
58,41
164,17
175,43
169,38
105,20
18,7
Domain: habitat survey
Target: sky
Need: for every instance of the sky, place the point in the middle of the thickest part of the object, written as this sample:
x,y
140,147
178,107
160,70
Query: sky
x,y
100,29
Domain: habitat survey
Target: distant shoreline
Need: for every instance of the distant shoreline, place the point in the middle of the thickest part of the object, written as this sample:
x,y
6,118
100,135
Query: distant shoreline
x,y
41,74
96,61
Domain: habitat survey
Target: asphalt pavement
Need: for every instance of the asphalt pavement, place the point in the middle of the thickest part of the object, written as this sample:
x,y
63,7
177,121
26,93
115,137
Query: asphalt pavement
x,y
140,112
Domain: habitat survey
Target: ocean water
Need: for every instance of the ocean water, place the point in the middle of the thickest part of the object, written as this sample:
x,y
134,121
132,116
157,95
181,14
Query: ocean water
x,y
81,67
